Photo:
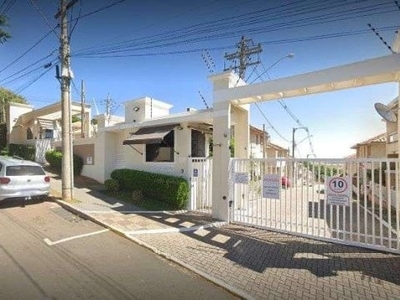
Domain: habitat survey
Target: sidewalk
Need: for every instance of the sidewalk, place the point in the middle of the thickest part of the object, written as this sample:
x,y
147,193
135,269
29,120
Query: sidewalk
x,y
250,262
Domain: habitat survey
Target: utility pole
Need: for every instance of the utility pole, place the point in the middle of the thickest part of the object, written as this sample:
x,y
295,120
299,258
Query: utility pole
x,y
83,116
65,81
243,54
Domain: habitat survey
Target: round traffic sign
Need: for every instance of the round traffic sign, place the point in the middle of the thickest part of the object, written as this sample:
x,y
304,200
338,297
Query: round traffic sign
x,y
337,185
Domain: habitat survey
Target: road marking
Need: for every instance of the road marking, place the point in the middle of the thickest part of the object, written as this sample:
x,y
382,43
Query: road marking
x,y
176,230
50,243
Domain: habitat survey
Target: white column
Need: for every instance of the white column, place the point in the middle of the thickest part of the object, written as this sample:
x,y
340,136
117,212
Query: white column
x,y
221,152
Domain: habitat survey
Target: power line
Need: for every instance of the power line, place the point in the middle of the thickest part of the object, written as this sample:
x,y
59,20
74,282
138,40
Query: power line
x,y
29,66
292,115
76,21
44,17
46,66
19,90
6,6
98,10
270,124
218,30
27,51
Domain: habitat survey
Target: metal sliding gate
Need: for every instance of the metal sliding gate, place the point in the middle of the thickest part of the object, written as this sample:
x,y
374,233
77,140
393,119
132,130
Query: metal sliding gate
x,y
200,172
352,201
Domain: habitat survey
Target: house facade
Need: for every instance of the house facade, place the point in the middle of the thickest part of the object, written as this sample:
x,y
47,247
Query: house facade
x,y
374,147
261,147
147,138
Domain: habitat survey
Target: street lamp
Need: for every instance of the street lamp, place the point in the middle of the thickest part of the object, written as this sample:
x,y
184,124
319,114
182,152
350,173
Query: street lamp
x,y
290,55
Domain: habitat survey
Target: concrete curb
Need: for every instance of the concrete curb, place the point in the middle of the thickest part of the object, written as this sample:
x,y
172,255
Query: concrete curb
x,y
86,215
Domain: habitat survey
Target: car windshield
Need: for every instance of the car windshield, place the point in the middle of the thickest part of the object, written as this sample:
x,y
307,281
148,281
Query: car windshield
x,y
24,170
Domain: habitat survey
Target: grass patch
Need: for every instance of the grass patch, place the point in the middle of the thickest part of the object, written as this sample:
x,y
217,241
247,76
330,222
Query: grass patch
x,y
145,204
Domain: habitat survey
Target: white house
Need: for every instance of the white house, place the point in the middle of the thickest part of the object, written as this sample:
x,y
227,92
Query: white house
x,y
147,138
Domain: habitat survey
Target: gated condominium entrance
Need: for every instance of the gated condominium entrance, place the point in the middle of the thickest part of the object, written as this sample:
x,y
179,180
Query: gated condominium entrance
x,y
347,201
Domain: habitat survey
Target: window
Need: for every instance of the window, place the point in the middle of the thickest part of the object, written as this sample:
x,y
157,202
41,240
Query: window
x,y
24,170
48,133
163,151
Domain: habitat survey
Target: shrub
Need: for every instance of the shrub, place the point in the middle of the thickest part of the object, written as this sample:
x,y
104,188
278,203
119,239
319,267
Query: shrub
x,y
54,158
24,151
112,185
170,189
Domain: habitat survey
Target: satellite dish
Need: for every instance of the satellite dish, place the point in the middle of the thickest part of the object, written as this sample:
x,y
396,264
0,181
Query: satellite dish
x,y
385,112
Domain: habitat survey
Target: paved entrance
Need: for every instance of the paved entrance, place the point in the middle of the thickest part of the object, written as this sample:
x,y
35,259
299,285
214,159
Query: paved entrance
x,y
258,264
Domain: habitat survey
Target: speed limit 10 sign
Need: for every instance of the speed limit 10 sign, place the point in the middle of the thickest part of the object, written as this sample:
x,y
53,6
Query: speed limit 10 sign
x,y
338,190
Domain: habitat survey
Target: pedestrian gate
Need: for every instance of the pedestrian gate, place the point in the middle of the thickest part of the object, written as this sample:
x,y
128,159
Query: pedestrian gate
x,y
200,172
352,201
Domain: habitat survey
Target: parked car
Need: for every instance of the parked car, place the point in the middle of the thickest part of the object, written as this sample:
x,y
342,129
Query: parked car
x,y
286,182
22,179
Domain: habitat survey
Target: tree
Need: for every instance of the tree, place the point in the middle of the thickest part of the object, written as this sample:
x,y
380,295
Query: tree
x,y
4,35
7,96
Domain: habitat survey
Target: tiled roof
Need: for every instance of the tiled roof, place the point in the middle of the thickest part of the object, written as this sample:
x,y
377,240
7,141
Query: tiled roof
x,y
380,138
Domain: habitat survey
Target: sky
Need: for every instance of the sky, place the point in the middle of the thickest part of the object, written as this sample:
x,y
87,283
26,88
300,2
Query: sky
x,y
166,50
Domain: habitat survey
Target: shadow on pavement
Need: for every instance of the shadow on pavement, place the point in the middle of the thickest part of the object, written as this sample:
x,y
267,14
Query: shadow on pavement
x,y
259,249
21,202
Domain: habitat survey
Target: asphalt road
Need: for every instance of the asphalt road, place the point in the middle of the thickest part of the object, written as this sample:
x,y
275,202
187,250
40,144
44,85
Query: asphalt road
x,y
49,253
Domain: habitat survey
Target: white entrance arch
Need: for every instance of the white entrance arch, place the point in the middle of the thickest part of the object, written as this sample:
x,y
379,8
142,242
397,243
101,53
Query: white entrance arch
x,y
231,93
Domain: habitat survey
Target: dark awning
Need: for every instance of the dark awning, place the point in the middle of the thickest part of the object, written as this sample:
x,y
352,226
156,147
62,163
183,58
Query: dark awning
x,y
149,135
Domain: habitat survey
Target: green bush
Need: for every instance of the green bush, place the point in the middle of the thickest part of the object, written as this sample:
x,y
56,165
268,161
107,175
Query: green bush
x,y
111,185
4,152
170,189
24,151
54,158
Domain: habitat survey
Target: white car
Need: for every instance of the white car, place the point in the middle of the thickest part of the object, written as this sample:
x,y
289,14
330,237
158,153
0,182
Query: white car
x,y
22,179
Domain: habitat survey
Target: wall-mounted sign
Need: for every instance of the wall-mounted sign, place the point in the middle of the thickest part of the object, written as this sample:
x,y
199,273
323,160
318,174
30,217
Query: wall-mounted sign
x,y
241,177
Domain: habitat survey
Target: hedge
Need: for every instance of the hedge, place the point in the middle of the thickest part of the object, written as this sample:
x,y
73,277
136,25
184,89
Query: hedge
x,y
54,158
170,189
24,151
